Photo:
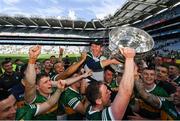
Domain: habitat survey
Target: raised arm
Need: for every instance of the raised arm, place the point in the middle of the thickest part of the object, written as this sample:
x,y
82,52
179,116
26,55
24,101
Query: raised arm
x,y
30,74
72,80
69,71
122,98
43,107
105,63
61,50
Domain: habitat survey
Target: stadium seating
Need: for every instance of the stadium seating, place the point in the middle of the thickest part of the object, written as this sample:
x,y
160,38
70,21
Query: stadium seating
x,y
164,29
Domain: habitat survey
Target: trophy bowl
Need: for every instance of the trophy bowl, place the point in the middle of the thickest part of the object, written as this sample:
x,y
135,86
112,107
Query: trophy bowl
x,y
131,37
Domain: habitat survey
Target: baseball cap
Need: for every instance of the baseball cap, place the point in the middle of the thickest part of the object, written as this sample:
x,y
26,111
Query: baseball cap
x,y
96,42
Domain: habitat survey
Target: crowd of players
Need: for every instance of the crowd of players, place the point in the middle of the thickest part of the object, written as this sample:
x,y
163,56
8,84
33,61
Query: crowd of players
x,y
89,89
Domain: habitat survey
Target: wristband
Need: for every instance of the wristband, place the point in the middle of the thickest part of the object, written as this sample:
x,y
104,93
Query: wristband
x,y
32,60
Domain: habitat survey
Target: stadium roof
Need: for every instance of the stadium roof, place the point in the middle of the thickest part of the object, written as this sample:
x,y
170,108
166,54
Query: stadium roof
x,y
132,11
34,22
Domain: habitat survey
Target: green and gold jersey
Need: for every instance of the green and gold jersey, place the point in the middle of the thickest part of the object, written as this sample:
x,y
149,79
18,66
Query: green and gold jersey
x,y
27,112
168,111
105,114
146,110
51,114
70,99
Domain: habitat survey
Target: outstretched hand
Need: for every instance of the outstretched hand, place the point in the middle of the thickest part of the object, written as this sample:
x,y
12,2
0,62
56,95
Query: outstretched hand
x,y
83,56
87,73
35,51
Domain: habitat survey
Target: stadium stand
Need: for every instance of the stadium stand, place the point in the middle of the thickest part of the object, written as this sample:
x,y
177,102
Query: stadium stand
x,y
51,50
164,29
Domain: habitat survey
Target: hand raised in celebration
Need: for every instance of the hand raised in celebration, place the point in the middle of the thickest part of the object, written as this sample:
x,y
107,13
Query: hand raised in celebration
x,y
61,84
35,51
61,50
128,52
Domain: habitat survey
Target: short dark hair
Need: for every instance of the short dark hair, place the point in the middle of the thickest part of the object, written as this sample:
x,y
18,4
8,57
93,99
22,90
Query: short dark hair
x,y
8,59
4,94
175,64
39,76
5,62
57,63
164,65
46,60
53,56
93,92
149,68
109,68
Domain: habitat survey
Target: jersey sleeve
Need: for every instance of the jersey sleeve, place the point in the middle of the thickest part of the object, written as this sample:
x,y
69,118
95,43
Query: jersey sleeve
x,y
73,102
27,112
92,64
107,114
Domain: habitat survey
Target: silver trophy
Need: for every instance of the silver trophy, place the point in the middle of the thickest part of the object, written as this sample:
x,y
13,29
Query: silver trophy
x,y
132,37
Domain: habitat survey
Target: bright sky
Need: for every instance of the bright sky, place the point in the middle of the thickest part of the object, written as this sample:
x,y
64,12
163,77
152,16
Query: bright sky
x,y
74,9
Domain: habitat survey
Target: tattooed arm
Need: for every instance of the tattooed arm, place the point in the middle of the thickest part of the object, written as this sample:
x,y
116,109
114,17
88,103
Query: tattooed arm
x,y
148,97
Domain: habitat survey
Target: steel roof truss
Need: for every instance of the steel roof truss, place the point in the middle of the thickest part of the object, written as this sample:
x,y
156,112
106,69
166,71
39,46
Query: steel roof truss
x,y
47,22
7,21
148,3
93,24
60,23
19,21
33,22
